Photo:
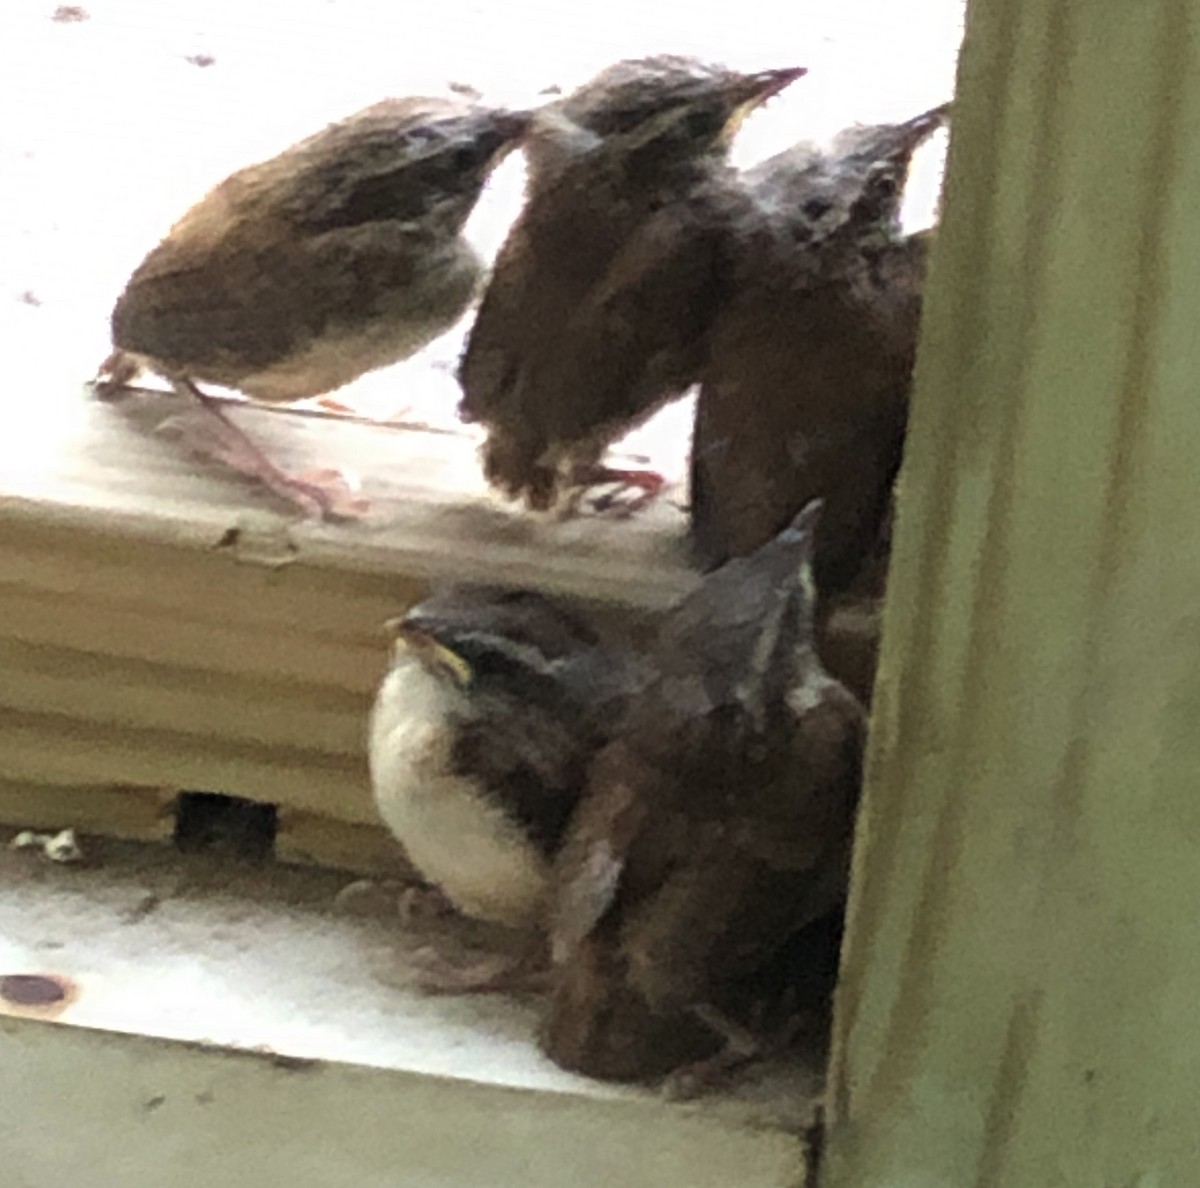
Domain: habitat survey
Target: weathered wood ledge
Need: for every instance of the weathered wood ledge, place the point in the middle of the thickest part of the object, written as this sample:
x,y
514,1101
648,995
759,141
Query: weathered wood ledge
x,y
163,625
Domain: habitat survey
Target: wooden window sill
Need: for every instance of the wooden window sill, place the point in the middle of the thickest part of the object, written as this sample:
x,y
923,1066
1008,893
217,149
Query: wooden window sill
x,y
163,626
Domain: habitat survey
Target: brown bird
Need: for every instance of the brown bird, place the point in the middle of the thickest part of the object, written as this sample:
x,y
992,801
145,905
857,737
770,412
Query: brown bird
x,y
480,738
805,391
608,280
715,828
299,274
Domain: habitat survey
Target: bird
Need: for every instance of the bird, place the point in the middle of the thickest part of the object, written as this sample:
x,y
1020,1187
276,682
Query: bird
x,y
714,829
806,383
294,276
479,740
601,294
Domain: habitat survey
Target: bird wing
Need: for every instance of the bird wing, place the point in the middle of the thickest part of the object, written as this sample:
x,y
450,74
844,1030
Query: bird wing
x,y
256,297
535,766
541,273
637,338
827,365
754,863
592,859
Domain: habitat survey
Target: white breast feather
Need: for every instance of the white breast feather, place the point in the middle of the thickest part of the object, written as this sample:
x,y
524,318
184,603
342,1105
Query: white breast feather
x,y
454,835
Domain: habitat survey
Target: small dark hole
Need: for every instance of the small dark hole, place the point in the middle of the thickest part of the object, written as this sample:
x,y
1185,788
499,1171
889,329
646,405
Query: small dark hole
x,y
210,822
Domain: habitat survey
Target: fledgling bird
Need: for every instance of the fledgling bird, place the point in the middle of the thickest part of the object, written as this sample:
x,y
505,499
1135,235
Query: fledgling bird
x,y
602,292
479,742
296,275
805,390
714,829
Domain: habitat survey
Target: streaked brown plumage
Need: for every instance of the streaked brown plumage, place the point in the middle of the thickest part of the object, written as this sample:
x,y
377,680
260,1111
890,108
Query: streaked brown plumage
x,y
610,276
296,275
714,829
805,391
479,743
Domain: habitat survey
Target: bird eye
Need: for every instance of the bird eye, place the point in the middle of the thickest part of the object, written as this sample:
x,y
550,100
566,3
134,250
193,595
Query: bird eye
x,y
816,208
700,125
465,157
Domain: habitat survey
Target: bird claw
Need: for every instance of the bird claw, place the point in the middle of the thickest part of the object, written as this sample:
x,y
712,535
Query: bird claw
x,y
701,1077
114,375
497,973
334,491
632,491
420,903
740,1048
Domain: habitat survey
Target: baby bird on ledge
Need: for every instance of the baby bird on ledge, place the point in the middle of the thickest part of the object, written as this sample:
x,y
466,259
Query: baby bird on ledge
x,y
479,742
294,276
714,831
819,341
605,286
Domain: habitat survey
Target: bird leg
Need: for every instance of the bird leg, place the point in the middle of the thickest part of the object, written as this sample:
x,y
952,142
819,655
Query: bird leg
x,y
739,1048
318,493
647,483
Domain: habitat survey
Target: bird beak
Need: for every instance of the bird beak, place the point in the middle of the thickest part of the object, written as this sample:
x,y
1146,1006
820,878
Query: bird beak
x,y
412,640
749,91
752,89
928,121
514,125
935,115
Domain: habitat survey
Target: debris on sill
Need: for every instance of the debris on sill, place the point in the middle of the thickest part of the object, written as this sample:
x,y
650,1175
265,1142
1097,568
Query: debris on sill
x,y
61,847
259,539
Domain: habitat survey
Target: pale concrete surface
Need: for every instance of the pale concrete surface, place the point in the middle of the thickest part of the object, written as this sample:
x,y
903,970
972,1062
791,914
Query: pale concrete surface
x,y
187,947
307,1058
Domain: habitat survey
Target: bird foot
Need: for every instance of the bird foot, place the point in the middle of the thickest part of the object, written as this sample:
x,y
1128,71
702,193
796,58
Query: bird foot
x,y
420,903
415,903
632,490
498,973
114,374
368,897
319,494
740,1048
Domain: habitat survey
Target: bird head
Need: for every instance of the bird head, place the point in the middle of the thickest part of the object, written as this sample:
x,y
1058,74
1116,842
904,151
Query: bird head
x,y
680,107
864,144
480,639
747,630
418,161
874,160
